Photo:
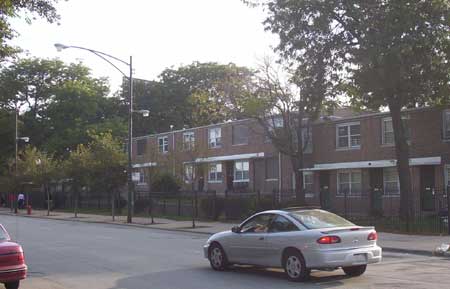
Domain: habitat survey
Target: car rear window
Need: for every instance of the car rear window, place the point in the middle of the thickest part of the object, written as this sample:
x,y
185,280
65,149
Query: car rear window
x,y
3,235
318,219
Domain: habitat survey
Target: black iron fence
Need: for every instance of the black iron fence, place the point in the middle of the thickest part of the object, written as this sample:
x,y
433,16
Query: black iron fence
x,y
429,210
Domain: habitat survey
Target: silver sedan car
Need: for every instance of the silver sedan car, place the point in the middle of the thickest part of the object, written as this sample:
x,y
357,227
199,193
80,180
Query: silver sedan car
x,y
298,240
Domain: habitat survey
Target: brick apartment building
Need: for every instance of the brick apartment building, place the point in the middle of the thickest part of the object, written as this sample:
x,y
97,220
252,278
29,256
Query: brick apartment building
x,y
349,162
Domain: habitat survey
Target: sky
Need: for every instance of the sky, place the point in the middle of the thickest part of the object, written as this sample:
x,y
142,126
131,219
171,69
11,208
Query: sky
x,y
156,33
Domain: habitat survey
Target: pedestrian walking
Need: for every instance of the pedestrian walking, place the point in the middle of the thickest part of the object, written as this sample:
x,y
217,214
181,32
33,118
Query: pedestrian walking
x,y
21,200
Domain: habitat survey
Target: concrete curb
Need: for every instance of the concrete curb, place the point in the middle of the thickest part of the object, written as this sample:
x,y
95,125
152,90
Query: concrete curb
x,y
149,226
136,225
408,251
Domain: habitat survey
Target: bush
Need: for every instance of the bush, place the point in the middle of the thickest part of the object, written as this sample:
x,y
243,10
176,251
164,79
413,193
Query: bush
x,y
165,183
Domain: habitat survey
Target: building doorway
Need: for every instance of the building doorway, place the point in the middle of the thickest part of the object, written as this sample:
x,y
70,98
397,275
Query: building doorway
x,y
427,185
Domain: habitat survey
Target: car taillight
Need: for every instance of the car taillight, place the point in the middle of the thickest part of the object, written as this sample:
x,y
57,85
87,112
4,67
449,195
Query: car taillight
x,y
329,240
20,257
372,236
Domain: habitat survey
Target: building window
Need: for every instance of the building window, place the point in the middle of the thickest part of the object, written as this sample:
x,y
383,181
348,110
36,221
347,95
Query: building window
x,y
189,173
273,124
141,173
447,178
348,135
241,169
446,120
388,130
240,134
163,144
215,137
215,173
307,140
271,165
188,141
391,183
308,184
349,182
141,147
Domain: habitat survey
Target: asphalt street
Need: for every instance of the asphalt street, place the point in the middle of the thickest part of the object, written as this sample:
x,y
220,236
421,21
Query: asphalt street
x,y
72,255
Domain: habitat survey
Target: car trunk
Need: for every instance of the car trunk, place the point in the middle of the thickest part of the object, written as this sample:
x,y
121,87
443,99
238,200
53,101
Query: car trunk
x,y
11,255
350,237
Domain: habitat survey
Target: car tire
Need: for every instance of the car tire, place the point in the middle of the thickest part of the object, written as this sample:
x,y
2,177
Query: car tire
x,y
355,271
12,285
217,257
295,266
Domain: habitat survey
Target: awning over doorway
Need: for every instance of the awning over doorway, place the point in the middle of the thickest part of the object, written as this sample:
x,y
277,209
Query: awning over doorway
x,y
374,164
144,165
229,157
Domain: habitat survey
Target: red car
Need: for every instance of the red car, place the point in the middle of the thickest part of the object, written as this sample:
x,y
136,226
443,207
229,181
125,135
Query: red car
x,y
12,261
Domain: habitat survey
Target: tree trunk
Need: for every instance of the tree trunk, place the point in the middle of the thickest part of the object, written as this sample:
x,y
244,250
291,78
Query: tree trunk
x,y
402,153
76,201
47,191
113,205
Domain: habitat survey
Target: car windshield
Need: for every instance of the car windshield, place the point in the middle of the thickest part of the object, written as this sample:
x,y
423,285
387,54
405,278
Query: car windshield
x,y
318,219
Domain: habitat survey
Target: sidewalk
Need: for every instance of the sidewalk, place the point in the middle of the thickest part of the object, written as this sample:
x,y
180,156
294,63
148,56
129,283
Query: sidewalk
x,y
412,244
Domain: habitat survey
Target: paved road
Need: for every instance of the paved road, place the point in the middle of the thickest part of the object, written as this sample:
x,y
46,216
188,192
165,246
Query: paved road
x,y
72,255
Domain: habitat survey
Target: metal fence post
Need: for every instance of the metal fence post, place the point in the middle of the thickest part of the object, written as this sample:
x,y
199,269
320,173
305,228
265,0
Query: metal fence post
x,y
193,210
448,209
150,207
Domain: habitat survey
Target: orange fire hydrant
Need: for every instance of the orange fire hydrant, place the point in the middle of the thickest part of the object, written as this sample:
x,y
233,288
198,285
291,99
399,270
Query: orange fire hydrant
x,y
29,209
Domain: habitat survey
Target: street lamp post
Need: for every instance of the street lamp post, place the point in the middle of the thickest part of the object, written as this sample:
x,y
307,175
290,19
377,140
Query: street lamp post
x,y
16,150
105,57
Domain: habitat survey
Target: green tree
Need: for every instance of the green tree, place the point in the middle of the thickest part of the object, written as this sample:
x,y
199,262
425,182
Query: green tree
x,y
77,167
191,95
59,103
381,53
40,168
284,114
29,9
109,163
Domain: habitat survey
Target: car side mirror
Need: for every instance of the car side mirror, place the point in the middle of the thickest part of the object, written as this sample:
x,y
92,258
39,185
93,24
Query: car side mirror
x,y
236,229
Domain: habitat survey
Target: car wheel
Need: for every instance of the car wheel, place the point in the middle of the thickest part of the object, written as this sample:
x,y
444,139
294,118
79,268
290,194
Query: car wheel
x,y
217,257
355,271
295,266
12,285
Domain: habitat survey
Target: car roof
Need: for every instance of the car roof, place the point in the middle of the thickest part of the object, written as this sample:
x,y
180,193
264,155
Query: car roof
x,y
289,210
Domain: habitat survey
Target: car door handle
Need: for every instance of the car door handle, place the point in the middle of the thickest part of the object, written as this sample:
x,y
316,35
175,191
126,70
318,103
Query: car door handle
x,y
261,238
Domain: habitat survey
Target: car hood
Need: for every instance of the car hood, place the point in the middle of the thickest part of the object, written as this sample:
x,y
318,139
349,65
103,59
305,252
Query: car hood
x,y
219,235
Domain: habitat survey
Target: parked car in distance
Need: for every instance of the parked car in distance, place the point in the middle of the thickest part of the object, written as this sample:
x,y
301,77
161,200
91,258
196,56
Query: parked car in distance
x,y
12,261
298,240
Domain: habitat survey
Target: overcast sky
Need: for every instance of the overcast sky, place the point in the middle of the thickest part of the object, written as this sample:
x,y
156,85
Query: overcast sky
x,y
157,33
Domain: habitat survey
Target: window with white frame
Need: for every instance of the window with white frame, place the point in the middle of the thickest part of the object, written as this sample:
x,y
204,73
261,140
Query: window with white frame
x,y
188,141
308,184
391,185
239,134
163,144
241,169
388,130
215,137
349,182
215,173
446,125
348,135
189,173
